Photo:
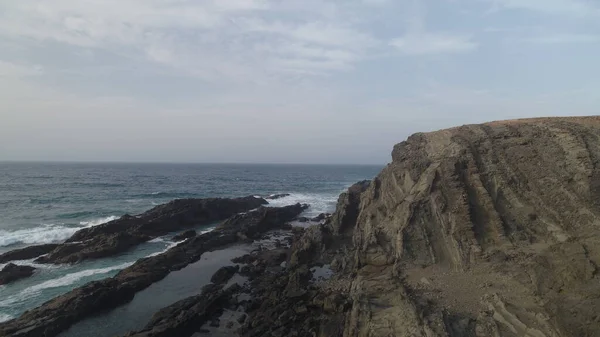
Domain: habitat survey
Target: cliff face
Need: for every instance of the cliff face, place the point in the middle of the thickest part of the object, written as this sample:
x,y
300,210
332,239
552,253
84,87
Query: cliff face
x,y
481,230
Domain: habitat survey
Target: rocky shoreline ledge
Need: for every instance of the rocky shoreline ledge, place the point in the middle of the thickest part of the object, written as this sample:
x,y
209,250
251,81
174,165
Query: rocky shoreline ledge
x,y
476,231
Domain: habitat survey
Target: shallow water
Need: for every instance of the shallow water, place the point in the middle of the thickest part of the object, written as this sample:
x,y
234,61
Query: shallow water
x,y
176,286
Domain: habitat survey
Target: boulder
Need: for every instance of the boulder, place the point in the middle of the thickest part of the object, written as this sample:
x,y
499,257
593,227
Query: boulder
x,y
184,236
12,272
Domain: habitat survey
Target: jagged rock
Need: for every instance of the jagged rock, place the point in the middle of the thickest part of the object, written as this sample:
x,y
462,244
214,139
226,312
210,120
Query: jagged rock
x,y
481,230
58,314
303,219
12,272
184,236
224,274
27,252
120,235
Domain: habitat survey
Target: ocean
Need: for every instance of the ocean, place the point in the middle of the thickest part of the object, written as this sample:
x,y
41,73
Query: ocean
x,y
48,202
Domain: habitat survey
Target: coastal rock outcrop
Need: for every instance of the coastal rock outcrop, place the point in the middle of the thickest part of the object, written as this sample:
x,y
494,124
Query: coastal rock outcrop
x,y
480,230
184,236
12,272
27,253
61,312
120,235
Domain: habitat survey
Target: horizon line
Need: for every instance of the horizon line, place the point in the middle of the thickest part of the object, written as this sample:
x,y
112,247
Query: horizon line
x,y
2,161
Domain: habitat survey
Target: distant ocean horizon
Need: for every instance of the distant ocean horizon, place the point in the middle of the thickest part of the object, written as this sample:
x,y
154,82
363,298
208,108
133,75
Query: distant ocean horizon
x,y
46,202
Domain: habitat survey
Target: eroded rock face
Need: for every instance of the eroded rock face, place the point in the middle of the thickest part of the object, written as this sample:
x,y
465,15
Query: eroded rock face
x,y
490,230
61,312
12,272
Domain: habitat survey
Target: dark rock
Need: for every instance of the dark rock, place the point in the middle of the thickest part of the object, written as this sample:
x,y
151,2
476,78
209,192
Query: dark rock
x,y
215,323
98,247
277,196
12,272
303,219
229,325
120,235
224,274
27,253
184,236
60,313
242,318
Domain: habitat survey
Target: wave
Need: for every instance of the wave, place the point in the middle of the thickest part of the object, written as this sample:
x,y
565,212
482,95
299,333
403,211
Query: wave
x,y
96,222
46,233
63,281
319,203
5,317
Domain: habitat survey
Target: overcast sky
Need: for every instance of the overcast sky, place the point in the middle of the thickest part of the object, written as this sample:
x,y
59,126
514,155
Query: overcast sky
x,y
289,81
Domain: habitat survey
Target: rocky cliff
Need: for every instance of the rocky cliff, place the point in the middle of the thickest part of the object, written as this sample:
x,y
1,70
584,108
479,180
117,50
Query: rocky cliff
x,y
480,230
483,230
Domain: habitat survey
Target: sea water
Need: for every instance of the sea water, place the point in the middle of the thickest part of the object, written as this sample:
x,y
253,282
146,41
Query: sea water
x,y
48,202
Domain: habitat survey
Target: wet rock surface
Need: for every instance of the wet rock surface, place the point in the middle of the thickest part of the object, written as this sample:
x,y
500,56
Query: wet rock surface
x,y
12,272
27,253
58,314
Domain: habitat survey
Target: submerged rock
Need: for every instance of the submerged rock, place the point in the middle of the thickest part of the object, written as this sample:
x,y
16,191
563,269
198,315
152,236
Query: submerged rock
x,y
12,272
27,252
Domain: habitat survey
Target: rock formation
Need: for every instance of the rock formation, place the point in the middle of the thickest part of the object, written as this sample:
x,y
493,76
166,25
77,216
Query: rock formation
x,y
12,272
27,253
122,234
479,230
61,312
475,231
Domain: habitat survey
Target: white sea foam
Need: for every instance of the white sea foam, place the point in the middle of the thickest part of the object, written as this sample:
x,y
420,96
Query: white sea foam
x,y
46,233
33,264
319,203
169,246
5,317
157,240
62,281
96,222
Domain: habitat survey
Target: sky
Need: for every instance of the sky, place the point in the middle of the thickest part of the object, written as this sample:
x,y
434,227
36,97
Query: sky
x,y
281,81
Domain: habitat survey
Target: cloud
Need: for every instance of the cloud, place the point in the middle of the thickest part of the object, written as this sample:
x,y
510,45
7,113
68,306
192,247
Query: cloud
x,y
563,39
237,40
433,43
555,7
16,71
